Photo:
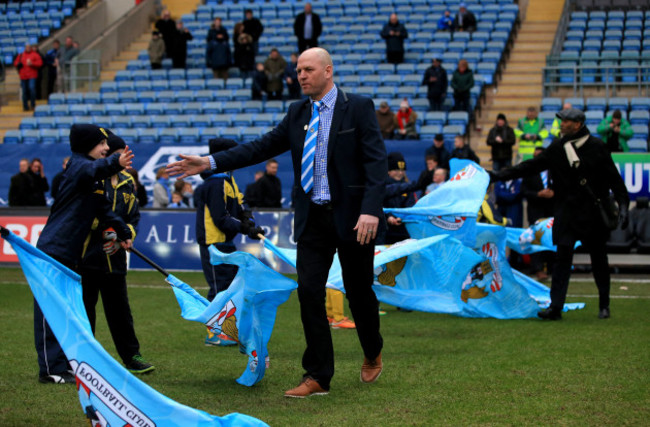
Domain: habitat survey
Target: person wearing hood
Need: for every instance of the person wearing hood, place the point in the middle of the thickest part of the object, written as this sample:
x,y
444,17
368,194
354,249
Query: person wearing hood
x,y
501,139
386,120
80,201
405,121
615,130
220,216
103,266
583,175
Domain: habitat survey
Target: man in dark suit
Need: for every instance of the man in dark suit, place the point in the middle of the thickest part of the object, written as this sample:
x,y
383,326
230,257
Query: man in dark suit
x,y
539,194
582,171
307,28
340,165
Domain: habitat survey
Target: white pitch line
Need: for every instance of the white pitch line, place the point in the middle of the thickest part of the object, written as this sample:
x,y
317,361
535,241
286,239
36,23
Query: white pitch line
x,y
613,296
130,285
591,280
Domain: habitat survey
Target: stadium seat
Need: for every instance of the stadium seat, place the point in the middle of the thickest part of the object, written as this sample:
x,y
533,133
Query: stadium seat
x,y
640,131
639,117
551,104
147,136
638,145
188,136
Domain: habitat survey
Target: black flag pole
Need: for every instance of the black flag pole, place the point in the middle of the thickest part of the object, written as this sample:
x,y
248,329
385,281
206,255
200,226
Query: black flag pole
x,y
149,261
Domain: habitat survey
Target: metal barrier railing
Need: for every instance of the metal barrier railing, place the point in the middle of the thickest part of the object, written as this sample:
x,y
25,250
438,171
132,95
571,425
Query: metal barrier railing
x,y
583,75
83,70
562,26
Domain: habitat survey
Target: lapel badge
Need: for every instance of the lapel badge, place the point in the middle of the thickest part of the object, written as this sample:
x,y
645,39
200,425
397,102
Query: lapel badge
x,y
306,126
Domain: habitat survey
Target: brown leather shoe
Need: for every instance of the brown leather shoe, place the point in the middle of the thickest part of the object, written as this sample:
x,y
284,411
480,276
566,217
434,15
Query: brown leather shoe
x,y
308,387
370,370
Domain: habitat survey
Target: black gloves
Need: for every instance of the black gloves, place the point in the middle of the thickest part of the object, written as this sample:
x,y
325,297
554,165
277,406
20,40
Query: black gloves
x,y
493,176
623,217
255,233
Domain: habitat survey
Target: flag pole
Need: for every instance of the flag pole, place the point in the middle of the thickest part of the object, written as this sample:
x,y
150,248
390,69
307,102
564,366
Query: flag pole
x,y
149,261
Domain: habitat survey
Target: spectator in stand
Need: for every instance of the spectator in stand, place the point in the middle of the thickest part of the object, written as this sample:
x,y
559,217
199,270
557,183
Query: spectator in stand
x,y
218,50
509,200
252,193
161,193
67,52
27,63
431,164
56,181
177,201
531,132
20,188
184,188
291,78
439,150
555,127
254,28
52,63
274,67
462,82
435,78
39,77
404,198
140,190
405,121
537,189
260,81
39,183
270,187
167,29
615,130
386,119
156,50
463,150
464,20
446,22
179,51
244,56
440,176
394,32
307,27
501,139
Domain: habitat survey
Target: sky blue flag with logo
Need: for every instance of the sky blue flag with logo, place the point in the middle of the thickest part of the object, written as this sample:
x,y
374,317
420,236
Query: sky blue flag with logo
x,y
451,208
536,238
108,393
244,312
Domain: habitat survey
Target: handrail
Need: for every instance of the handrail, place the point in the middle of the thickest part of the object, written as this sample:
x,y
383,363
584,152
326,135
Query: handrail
x,y
82,68
562,26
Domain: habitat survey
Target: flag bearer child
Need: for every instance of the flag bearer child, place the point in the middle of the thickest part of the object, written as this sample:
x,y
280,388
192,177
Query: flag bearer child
x,y
79,202
103,267
220,216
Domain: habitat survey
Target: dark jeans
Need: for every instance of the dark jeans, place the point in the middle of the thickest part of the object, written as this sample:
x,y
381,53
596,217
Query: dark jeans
x,y
436,102
219,277
29,93
497,165
304,44
395,57
51,80
461,101
562,270
316,249
51,358
116,308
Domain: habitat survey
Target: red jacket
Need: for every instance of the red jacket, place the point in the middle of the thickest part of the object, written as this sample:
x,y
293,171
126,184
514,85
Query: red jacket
x,y
29,72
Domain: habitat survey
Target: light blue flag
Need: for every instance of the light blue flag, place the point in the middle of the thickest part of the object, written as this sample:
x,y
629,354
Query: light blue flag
x,y
536,238
245,311
450,209
541,293
108,393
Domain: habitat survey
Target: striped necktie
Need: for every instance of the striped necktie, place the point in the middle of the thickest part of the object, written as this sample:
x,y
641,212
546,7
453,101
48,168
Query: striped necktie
x,y
544,179
309,149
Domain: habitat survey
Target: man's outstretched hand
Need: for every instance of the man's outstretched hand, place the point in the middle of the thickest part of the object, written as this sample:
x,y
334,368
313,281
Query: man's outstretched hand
x,y
189,165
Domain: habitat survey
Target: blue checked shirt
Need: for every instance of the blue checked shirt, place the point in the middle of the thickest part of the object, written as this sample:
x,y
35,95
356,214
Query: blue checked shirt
x,y
321,191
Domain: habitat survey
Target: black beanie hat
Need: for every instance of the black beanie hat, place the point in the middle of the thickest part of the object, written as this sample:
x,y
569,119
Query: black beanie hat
x,y
396,161
114,143
501,116
221,144
84,137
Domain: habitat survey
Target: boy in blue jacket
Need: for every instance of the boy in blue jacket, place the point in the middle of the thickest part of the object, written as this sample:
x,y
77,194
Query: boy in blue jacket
x,y
220,216
103,267
80,200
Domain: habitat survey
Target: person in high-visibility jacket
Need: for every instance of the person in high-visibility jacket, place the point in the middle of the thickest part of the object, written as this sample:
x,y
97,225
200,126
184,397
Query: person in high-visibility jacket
x,y
531,132
555,127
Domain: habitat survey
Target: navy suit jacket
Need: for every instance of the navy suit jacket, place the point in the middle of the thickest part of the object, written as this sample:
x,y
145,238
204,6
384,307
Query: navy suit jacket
x,y
356,160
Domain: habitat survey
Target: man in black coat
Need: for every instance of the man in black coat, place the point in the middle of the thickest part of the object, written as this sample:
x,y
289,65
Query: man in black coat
x,y
20,188
166,26
464,19
439,150
501,139
394,32
582,171
269,187
338,206
307,27
254,28
435,78
179,54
